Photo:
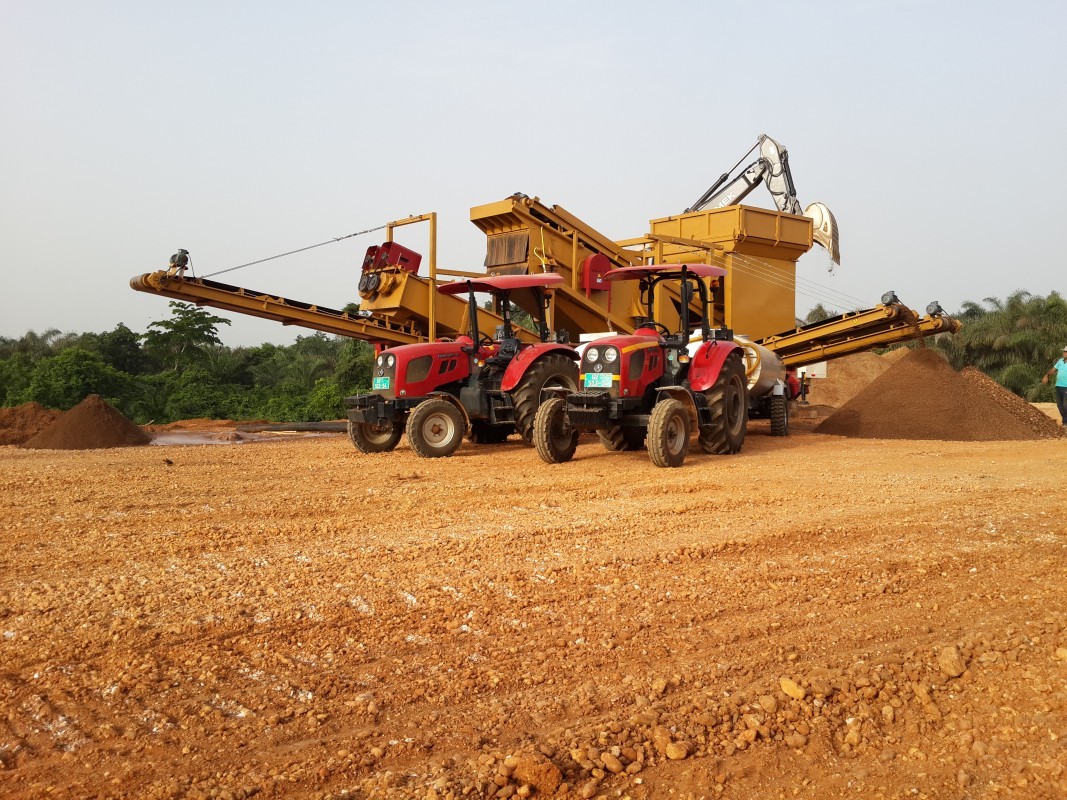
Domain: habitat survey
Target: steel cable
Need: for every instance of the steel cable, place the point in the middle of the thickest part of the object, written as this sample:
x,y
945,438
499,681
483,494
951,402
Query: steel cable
x,y
293,252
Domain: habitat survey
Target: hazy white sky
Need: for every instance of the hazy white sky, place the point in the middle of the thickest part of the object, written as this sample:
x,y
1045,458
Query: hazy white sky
x,y
239,130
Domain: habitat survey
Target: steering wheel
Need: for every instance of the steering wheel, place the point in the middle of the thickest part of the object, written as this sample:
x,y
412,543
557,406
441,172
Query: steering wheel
x,y
657,326
485,340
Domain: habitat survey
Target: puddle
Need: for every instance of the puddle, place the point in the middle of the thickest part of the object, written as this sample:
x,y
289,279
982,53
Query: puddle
x,y
179,438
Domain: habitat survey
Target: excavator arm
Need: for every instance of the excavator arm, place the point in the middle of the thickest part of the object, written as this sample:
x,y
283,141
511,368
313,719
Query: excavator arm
x,y
772,169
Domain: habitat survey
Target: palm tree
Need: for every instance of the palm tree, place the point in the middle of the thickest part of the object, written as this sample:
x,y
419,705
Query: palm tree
x,y
1014,340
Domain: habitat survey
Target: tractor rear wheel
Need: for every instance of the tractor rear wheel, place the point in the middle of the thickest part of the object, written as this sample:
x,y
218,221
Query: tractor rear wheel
x,y
779,415
618,438
375,438
435,428
551,370
554,439
728,403
668,433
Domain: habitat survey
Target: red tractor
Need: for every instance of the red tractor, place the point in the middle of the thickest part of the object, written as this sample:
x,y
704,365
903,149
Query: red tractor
x,y
477,384
648,385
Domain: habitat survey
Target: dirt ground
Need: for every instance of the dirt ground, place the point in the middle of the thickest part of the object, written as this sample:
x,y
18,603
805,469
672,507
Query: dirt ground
x,y
816,617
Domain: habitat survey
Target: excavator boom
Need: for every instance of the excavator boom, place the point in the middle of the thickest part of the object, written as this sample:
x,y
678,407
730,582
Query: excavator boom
x,y
772,168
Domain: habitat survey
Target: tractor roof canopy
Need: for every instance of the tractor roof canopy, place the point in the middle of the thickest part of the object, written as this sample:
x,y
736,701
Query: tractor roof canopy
x,y
653,270
502,283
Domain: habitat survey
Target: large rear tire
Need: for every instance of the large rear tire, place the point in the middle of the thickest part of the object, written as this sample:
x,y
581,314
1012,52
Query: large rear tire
x,y
375,438
668,433
554,439
618,439
779,415
435,428
551,370
728,401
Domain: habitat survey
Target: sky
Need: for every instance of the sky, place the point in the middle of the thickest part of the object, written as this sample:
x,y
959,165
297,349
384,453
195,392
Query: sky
x,y
240,130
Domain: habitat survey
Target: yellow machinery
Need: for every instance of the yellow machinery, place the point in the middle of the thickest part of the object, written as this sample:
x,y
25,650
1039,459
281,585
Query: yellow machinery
x,y
758,247
756,298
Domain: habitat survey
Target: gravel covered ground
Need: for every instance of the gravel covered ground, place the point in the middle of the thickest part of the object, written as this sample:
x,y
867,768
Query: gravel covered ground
x,y
815,617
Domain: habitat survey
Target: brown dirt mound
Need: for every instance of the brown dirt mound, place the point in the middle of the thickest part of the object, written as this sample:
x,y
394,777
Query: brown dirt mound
x,y
1035,417
922,397
91,424
845,377
893,356
24,422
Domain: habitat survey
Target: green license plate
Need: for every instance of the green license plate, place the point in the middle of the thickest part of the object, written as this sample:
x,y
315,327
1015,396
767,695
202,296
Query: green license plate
x,y
380,383
598,380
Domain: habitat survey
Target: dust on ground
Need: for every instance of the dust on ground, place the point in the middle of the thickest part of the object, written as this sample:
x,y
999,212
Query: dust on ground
x,y
815,617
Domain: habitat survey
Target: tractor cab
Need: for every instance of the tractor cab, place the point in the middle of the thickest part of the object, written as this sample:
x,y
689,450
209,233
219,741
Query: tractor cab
x,y
486,386
691,280
505,345
648,385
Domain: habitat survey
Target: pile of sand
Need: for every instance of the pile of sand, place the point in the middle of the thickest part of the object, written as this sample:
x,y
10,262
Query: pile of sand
x,y
1011,402
91,424
845,377
922,397
24,422
893,356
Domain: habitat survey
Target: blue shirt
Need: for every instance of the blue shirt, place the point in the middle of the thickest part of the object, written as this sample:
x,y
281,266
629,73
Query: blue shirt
x,y
1061,373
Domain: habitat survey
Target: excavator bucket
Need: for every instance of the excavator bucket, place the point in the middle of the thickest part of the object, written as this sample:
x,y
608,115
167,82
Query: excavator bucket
x,y
825,232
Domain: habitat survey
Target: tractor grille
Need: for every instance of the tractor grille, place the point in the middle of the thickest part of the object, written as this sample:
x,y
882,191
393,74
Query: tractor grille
x,y
588,409
370,409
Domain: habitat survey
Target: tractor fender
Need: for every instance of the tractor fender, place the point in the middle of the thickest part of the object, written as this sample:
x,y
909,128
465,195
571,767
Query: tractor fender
x,y
454,401
526,357
685,396
707,361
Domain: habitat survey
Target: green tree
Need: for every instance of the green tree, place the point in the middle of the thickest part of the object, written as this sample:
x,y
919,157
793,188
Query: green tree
x,y
15,375
62,381
121,348
818,314
35,345
184,337
354,365
1014,340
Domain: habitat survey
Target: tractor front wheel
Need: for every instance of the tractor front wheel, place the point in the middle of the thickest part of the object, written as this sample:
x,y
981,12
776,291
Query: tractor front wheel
x,y
668,433
435,428
728,402
550,371
554,439
375,438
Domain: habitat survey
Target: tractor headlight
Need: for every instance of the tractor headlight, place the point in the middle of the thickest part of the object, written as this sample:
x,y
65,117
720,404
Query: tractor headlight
x,y
610,354
380,361
390,360
592,355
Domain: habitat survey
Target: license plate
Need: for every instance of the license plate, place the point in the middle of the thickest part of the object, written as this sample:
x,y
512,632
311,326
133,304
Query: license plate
x,y
598,380
380,383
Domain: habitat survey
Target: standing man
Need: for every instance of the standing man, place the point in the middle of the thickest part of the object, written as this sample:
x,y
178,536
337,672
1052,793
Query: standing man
x,y
1059,369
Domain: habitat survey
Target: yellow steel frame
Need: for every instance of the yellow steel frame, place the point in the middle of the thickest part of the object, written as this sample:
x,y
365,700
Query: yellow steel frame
x,y
557,241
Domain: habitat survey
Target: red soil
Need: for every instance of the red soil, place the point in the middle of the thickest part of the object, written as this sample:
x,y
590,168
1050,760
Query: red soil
x,y
90,425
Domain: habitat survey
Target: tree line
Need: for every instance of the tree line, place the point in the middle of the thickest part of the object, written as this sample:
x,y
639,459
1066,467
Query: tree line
x,y
180,369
